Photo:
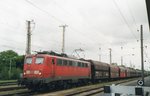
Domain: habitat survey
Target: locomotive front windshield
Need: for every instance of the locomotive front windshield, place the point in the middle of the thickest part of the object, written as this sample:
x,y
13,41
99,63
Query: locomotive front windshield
x,y
39,60
28,60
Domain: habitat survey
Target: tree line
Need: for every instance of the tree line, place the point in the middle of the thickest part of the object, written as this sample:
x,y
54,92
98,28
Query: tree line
x,y
11,65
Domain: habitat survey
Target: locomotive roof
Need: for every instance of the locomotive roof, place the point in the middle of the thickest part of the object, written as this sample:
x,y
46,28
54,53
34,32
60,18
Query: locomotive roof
x,y
61,57
99,65
68,58
98,62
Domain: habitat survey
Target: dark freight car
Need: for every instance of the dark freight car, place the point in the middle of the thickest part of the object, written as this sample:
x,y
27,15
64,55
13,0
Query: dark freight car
x,y
114,72
138,73
131,72
99,70
122,72
128,72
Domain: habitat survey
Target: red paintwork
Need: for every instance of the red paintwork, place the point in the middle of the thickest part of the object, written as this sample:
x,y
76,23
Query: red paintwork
x,y
53,71
114,71
33,67
122,72
49,70
71,71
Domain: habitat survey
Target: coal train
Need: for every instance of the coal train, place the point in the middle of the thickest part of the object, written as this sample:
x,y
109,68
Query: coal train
x,y
49,70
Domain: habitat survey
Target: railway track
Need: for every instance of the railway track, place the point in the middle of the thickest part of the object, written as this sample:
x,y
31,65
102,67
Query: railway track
x,y
89,90
11,89
7,86
15,91
8,83
23,93
85,90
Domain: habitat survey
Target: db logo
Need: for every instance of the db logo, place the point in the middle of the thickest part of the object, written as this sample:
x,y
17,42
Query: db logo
x,y
140,82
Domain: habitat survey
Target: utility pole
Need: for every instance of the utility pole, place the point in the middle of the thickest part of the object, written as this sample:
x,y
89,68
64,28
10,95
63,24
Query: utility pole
x,y
63,38
28,46
121,56
10,68
100,54
28,49
142,58
110,56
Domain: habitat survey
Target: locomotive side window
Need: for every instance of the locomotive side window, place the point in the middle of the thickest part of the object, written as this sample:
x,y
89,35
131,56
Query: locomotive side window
x,y
75,63
39,60
70,63
79,64
59,62
65,62
86,65
82,64
28,60
53,61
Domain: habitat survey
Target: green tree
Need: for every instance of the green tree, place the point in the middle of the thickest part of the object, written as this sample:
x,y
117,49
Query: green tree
x,y
114,64
20,61
8,63
7,57
122,65
16,73
4,73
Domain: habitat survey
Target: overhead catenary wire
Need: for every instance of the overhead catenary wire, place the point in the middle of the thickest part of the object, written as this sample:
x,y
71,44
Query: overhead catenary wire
x,y
29,0
68,13
133,18
123,17
60,21
146,55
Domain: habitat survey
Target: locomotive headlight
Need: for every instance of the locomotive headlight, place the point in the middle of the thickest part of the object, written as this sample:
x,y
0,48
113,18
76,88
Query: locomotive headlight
x,y
28,72
24,73
40,73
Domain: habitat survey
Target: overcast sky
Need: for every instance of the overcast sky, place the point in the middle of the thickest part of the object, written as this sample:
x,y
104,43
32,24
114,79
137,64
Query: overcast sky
x,y
92,25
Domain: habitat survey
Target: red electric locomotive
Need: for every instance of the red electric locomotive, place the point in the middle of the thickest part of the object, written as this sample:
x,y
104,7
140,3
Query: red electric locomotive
x,y
49,70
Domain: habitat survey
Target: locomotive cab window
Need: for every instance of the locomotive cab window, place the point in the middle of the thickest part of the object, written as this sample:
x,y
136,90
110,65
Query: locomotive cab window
x,y
28,60
39,60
